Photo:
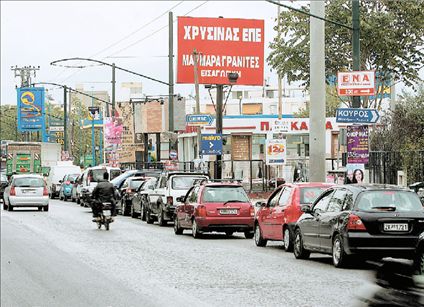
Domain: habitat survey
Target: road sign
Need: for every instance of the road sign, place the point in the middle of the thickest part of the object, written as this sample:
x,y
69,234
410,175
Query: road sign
x,y
356,83
198,119
352,115
211,144
173,155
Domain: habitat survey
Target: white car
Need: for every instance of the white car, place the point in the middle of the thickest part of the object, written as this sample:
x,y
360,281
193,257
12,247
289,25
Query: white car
x,y
26,191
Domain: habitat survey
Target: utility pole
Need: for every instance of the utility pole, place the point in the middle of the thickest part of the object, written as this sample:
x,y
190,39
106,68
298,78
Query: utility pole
x,y
317,73
93,146
280,86
65,117
196,87
72,123
219,101
171,74
25,74
113,89
356,52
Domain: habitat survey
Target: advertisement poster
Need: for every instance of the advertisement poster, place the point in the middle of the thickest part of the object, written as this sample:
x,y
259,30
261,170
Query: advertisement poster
x,y
357,144
223,46
355,173
276,151
30,109
113,128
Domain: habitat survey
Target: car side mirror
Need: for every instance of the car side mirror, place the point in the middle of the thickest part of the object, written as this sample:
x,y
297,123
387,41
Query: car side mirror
x,y
181,199
260,204
306,209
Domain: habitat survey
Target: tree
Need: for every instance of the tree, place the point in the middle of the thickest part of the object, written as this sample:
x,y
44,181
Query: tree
x,y
392,36
332,103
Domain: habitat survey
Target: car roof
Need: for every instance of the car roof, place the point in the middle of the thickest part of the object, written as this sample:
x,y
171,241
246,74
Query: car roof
x,y
27,175
222,184
373,187
307,184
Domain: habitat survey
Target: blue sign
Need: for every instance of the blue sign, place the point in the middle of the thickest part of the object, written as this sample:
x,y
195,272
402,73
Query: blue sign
x,y
31,109
356,115
199,119
211,144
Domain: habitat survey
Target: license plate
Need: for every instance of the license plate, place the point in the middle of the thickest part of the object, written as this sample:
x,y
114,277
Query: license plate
x,y
28,191
228,211
395,227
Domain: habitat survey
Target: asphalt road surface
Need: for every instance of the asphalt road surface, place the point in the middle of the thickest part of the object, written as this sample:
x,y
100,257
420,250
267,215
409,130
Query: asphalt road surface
x,y
60,258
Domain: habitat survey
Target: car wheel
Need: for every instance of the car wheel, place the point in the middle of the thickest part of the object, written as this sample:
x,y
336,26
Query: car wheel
x,y
149,218
419,261
133,214
125,211
259,240
249,234
46,208
40,208
195,230
4,205
161,220
229,233
299,251
143,212
9,206
340,259
177,229
288,241
78,200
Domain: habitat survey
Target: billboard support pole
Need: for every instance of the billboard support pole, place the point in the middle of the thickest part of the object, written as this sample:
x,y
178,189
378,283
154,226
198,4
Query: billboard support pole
x,y
196,86
171,74
65,116
219,100
93,148
356,103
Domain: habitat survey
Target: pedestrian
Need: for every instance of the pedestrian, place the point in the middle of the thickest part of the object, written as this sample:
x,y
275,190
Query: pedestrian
x,y
358,176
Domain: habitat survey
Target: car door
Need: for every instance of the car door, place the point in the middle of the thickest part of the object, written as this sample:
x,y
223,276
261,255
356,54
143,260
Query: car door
x,y
330,217
265,221
277,214
187,209
154,195
310,224
180,209
136,201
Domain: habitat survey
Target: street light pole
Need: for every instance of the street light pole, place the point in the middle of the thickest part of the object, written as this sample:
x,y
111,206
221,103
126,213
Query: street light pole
x,y
219,101
65,118
196,87
93,148
356,51
113,89
171,73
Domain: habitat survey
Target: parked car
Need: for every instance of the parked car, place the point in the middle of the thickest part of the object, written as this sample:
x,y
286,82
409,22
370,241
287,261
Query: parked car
x,y
127,192
119,181
162,200
67,183
215,207
419,255
76,189
26,191
56,174
93,175
140,199
276,218
3,184
361,221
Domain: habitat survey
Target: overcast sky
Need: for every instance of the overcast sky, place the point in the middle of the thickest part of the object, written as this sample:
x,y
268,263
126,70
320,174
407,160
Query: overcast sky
x,y
37,33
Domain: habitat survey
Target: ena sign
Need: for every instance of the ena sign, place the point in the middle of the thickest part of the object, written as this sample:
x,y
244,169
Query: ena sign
x,y
356,83
224,45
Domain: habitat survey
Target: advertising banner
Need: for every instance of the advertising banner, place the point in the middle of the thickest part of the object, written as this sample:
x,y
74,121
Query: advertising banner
x,y
356,83
357,144
113,127
223,45
275,151
30,108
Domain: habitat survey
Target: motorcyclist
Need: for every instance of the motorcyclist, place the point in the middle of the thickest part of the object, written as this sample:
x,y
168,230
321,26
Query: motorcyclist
x,y
104,192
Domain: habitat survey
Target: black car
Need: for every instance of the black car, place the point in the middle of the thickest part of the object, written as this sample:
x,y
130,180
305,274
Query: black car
x,y
366,221
119,181
3,184
127,192
140,199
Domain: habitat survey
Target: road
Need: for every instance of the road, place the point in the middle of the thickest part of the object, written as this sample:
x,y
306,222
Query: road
x,y
59,258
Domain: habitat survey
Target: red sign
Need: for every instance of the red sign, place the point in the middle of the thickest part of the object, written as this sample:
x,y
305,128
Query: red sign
x,y
356,83
224,45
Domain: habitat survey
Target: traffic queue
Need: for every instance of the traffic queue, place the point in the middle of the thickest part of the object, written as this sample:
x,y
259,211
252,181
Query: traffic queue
x,y
350,222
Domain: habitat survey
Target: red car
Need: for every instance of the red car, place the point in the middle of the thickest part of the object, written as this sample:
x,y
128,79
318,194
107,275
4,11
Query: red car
x,y
215,207
276,218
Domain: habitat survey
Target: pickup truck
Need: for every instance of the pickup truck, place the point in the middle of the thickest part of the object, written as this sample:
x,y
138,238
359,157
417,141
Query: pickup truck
x,y
162,199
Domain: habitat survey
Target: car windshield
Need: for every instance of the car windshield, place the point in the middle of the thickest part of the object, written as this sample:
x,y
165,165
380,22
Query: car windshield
x,y
32,182
308,195
72,177
222,194
184,182
389,200
114,173
134,184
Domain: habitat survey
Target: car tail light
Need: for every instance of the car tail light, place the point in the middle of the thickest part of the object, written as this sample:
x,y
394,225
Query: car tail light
x,y
170,200
12,191
252,211
45,192
67,182
201,211
354,223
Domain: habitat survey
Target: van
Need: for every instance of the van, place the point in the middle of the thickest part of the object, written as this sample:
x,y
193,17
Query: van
x,y
56,174
93,175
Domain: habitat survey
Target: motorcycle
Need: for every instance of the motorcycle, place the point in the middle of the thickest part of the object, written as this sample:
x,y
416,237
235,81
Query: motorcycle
x,y
103,219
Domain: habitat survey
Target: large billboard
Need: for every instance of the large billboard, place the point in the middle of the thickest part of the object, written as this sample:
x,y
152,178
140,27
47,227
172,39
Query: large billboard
x,y
224,45
357,144
30,108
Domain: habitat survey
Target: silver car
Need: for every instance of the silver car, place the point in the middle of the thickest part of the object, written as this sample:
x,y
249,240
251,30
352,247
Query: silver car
x,y
26,191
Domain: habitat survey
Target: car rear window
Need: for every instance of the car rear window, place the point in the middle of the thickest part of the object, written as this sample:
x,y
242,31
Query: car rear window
x,y
97,174
114,173
72,177
309,194
221,194
398,201
28,182
134,184
184,182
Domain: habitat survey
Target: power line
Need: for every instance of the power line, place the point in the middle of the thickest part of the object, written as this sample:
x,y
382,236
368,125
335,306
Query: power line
x,y
124,38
